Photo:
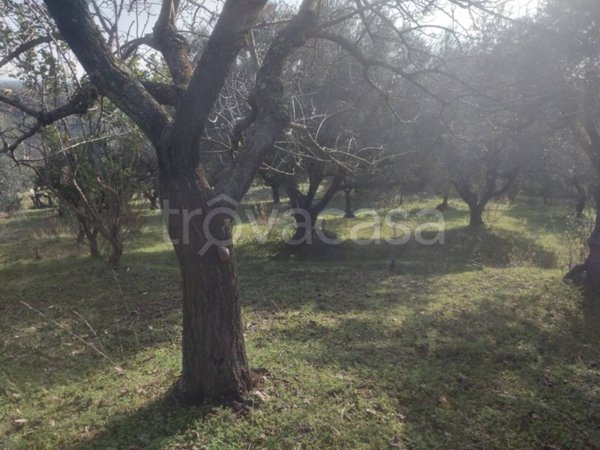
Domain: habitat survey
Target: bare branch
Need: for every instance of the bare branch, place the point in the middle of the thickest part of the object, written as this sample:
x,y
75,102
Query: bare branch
x,y
111,77
130,47
171,44
222,48
271,117
25,46
243,124
9,148
367,61
16,102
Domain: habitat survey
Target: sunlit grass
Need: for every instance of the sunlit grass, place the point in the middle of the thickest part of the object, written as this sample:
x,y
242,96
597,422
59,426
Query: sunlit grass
x,y
476,343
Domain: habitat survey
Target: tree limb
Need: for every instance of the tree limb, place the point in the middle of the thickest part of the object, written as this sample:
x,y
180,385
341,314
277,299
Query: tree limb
x,y
111,77
272,117
83,99
164,93
243,124
171,44
367,61
220,52
25,46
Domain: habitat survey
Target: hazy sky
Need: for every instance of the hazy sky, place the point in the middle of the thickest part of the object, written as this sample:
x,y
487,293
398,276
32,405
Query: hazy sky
x,y
515,8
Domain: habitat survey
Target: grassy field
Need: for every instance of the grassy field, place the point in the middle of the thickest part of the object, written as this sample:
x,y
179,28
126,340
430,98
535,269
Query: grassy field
x,y
474,344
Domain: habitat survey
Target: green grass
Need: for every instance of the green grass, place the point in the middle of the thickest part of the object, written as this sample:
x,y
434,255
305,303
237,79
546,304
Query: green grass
x,y
474,344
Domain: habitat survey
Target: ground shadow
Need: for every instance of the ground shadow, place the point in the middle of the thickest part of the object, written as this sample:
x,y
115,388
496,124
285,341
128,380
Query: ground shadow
x,y
74,316
458,250
486,375
442,370
146,428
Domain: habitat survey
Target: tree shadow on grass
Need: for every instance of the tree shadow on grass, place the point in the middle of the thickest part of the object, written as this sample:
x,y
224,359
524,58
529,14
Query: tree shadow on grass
x,y
519,372
554,218
62,314
418,361
456,250
148,427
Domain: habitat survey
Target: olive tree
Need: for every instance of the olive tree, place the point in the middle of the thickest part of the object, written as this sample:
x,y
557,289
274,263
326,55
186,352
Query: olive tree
x,y
173,113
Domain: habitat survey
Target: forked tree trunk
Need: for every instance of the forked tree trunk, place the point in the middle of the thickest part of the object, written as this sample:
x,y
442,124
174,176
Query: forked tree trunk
x,y
214,358
348,212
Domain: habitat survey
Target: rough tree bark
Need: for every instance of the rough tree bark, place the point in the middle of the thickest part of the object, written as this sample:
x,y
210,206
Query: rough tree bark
x,y
214,359
476,215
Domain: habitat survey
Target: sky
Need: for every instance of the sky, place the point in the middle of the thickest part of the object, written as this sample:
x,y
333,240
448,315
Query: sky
x,y
515,8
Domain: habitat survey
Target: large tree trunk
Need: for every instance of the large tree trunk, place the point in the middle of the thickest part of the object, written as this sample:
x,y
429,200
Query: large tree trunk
x,y
214,360
214,357
476,215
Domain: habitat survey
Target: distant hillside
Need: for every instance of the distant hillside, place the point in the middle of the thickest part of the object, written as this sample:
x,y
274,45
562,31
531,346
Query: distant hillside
x,y
10,83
